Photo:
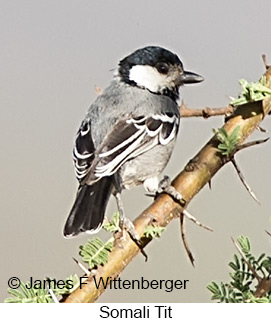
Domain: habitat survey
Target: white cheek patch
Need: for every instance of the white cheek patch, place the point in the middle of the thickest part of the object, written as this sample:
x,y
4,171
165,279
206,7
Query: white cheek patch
x,y
148,77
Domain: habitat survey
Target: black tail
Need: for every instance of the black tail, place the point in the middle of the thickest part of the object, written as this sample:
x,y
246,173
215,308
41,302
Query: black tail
x,y
87,213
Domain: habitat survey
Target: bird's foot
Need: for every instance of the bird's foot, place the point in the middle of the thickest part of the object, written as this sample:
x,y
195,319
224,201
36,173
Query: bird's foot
x,y
166,187
129,227
125,225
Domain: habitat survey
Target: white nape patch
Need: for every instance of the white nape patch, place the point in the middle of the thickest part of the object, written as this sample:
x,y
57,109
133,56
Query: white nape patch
x,y
149,78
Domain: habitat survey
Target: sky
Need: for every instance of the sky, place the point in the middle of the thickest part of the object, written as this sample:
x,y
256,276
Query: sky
x,y
53,54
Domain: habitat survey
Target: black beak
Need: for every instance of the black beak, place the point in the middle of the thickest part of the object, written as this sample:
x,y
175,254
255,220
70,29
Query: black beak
x,y
189,78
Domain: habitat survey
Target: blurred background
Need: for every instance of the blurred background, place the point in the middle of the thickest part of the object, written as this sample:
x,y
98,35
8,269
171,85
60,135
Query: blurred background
x,y
53,54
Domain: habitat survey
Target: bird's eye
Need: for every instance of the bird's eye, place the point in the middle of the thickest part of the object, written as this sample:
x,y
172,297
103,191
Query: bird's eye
x,y
162,68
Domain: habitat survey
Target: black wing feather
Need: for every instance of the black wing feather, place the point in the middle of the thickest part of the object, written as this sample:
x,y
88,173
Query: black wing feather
x,y
130,138
83,151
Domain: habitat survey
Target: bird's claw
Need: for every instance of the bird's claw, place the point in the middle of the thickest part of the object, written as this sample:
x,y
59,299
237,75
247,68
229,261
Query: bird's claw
x,y
166,187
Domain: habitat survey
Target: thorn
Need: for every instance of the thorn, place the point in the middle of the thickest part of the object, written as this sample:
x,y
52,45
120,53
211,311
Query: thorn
x,y
251,143
142,250
261,129
185,243
268,232
210,184
52,294
138,243
184,214
85,270
242,178
153,195
192,218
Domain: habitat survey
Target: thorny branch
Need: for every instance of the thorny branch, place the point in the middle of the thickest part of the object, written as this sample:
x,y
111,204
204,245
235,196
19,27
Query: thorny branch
x,y
197,173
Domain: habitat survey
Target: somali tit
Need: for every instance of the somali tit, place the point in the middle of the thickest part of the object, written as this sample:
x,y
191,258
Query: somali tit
x,y
127,135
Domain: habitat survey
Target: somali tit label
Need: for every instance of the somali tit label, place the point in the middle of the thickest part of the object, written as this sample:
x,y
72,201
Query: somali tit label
x,y
144,311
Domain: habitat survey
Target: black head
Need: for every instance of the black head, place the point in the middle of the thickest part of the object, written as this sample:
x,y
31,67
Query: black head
x,y
150,55
156,69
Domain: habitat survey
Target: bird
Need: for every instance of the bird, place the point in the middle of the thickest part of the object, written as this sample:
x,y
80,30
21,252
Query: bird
x,y
127,136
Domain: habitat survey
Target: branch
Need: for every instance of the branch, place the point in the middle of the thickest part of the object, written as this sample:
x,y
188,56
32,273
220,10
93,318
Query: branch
x,y
196,174
206,112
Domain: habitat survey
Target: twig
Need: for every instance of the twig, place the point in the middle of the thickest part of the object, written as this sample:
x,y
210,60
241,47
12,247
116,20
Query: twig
x,y
206,112
242,178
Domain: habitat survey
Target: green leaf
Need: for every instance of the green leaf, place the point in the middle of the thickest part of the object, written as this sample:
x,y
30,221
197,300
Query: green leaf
x,y
228,142
223,289
153,231
261,257
266,264
71,283
233,266
113,225
244,244
214,288
95,251
243,281
25,294
254,91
